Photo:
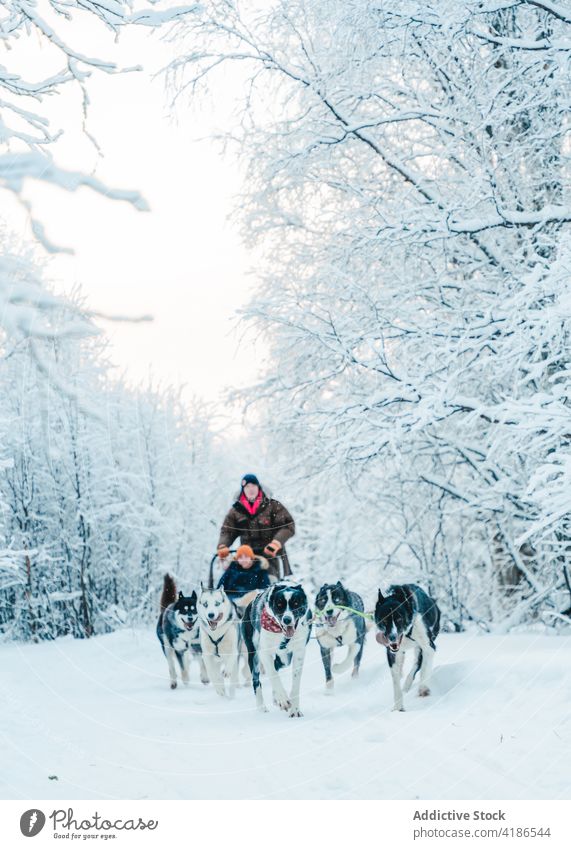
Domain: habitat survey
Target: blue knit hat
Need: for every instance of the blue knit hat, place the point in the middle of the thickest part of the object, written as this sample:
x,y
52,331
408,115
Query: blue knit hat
x,y
250,479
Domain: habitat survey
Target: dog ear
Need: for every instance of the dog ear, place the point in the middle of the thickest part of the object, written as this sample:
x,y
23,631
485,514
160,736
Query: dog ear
x,y
193,597
201,587
380,598
339,584
180,595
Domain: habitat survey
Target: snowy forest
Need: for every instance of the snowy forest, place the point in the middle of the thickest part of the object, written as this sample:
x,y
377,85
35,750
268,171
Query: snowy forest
x,y
406,202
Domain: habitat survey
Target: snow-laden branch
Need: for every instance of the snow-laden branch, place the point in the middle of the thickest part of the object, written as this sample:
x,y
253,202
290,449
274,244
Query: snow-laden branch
x,y
54,34
15,168
556,9
513,217
51,23
159,17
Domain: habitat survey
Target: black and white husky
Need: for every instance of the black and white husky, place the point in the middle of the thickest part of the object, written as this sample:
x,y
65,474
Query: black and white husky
x,y
407,618
276,627
219,638
336,626
178,632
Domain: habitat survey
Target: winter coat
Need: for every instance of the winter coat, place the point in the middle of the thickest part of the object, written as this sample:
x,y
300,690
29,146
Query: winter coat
x,y
270,521
238,581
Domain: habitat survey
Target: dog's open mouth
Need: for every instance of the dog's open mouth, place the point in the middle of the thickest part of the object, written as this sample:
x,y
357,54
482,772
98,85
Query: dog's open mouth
x,y
332,620
189,625
393,645
214,622
289,630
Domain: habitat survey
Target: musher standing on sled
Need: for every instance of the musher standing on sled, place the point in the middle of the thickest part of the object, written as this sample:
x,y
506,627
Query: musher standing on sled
x,y
261,522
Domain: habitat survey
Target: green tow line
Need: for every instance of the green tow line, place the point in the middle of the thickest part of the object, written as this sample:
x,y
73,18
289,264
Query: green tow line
x,y
350,609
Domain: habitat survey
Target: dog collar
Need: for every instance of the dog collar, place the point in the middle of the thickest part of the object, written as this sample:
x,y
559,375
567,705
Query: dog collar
x,y
270,623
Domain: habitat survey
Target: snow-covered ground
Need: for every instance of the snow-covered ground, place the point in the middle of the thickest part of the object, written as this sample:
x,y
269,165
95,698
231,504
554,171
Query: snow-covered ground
x,y
100,716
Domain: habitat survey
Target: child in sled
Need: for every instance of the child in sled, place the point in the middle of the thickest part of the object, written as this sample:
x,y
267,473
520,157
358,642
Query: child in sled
x,y
245,577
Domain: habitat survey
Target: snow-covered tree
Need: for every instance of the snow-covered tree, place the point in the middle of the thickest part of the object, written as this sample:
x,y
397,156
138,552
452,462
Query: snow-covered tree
x,y
407,174
102,490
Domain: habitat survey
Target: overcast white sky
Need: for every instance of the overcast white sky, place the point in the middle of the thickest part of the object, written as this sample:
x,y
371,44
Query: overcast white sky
x,y
182,262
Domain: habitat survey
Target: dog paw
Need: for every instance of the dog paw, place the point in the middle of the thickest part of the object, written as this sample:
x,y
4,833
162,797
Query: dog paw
x,y
173,685
293,711
263,709
283,704
205,681
355,673
221,692
423,691
398,709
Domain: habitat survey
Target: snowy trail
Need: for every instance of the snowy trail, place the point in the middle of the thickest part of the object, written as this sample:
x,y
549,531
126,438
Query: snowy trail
x,y
99,715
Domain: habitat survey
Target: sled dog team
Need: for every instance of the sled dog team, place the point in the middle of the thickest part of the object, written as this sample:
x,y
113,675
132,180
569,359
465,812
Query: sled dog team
x,y
273,630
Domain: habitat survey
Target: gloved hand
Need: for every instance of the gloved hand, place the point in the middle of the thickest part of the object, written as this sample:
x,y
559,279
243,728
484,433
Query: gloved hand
x,y
223,552
272,548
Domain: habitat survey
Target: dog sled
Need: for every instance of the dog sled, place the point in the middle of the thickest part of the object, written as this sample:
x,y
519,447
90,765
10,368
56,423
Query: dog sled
x,y
279,559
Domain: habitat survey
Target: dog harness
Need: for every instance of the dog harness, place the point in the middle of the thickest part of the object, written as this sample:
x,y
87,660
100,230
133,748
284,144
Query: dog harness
x,y
215,643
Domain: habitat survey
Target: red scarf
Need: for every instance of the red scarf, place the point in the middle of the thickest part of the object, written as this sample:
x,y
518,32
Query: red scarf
x,y
252,508
269,623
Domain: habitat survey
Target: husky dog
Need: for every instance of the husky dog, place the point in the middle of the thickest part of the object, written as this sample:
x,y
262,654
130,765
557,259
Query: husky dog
x,y
335,626
219,638
276,627
407,618
177,630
